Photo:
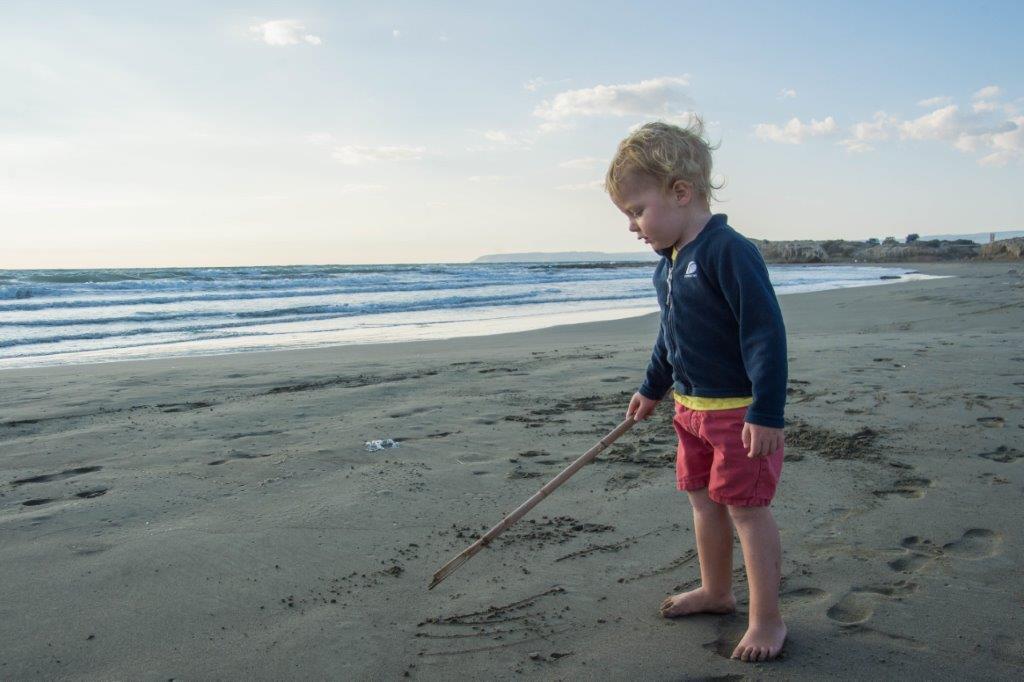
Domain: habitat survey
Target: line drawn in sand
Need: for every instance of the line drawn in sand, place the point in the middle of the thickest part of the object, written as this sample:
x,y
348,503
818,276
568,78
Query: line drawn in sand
x,y
521,621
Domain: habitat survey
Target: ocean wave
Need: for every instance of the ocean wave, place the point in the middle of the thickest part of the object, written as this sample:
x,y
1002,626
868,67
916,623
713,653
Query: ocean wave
x,y
310,313
610,265
223,293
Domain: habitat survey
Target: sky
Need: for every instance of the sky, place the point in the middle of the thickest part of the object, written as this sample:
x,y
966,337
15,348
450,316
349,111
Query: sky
x,y
182,133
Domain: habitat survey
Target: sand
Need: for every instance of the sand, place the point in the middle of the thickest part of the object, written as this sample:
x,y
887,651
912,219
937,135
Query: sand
x,y
220,518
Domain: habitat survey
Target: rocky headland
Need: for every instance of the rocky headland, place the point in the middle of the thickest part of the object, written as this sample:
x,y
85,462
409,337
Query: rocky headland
x,y
890,251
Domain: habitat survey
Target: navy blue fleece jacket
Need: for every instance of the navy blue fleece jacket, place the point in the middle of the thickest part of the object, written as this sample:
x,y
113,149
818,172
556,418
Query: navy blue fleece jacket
x,y
721,332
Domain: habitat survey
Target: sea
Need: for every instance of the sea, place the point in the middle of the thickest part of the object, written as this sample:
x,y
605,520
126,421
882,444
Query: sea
x,y
60,317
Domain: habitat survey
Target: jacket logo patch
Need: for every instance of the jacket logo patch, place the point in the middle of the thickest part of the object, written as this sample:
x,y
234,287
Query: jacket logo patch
x,y
691,269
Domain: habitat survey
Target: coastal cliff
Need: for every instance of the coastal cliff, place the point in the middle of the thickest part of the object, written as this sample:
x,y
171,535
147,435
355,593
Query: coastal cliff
x,y
1004,249
918,251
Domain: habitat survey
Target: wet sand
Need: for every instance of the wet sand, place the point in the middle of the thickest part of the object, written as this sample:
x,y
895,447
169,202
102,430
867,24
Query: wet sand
x,y
219,517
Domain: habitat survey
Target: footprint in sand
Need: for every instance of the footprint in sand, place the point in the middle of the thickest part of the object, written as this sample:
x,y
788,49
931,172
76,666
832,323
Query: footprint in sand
x,y
1002,454
67,473
992,422
85,495
183,407
858,605
883,637
801,596
974,544
237,455
906,487
412,412
89,494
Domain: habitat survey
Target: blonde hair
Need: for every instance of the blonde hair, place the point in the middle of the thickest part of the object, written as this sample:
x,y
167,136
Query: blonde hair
x,y
664,153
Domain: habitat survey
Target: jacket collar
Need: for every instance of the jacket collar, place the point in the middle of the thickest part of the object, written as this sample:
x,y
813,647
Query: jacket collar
x,y
716,220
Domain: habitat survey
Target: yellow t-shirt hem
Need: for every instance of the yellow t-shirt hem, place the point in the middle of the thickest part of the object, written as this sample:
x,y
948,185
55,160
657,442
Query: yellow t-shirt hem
x,y
696,402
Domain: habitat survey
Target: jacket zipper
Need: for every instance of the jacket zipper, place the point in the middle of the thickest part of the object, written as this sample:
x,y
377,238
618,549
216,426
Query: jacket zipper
x,y
668,308
668,280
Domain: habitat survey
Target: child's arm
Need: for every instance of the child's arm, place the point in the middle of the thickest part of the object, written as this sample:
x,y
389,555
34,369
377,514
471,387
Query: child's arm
x,y
657,381
743,279
658,378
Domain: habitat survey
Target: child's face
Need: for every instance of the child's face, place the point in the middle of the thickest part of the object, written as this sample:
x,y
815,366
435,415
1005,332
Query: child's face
x,y
656,216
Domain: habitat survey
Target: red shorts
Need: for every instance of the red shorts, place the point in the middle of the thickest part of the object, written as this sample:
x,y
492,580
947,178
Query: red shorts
x,y
711,455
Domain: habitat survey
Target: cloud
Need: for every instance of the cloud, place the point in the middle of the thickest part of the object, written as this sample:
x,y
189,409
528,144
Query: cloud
x,y
656,97
787,93
983,100
866,132
587,162
988,92
1008,146
966,132
980,130
283,32
940,101
940,124
354,155
795,131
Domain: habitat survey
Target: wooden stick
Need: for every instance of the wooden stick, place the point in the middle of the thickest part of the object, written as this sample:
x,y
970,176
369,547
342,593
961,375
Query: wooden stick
x,y
520,511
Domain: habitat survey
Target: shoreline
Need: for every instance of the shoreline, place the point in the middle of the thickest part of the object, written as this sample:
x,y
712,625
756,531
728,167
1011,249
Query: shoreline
x,y
223,513
527,322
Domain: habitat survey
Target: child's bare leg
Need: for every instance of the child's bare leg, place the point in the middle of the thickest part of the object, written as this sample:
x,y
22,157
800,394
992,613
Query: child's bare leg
x,y
762,554
713,529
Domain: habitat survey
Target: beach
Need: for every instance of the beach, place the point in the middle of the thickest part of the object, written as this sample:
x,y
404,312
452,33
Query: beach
x,y
220,516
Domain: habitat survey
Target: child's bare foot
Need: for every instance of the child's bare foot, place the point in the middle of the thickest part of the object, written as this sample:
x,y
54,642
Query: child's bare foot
x,y
697,601
761,642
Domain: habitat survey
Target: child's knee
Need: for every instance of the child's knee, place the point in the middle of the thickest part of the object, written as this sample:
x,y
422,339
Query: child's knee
x,y
746,515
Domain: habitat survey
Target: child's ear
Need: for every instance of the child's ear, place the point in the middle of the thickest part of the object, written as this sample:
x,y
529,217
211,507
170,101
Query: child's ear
x,y
683,192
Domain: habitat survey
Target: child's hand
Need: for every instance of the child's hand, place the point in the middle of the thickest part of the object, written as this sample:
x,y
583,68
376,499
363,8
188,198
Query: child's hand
x,y
761,441
640,406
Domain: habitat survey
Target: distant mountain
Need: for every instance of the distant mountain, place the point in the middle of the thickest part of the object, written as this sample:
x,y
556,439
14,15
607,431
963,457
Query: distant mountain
x,y
567,257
